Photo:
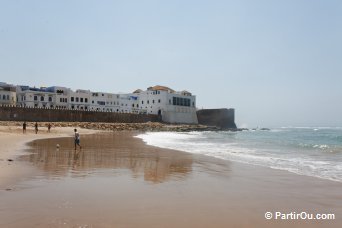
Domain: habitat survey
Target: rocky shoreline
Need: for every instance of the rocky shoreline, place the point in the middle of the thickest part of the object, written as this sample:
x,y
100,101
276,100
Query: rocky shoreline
x,y
148,126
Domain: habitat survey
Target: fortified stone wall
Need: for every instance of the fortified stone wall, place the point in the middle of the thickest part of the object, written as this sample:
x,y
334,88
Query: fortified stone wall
x,y
223,118
10,113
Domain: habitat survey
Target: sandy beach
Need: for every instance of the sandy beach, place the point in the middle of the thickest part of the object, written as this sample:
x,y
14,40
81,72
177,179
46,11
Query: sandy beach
x,y
118,181
13,143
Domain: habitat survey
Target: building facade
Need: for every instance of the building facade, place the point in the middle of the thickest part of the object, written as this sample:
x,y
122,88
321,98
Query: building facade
x,y
169,105
7,94
172,106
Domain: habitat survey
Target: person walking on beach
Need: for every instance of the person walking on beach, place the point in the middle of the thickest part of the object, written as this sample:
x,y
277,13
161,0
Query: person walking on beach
x,y
49,127
24,127
36,127
77,139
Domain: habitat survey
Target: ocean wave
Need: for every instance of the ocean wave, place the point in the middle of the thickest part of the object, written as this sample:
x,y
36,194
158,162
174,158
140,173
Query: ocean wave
x,y
231,150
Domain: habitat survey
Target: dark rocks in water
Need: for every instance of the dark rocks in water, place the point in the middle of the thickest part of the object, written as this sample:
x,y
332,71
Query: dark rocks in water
x,y
265,129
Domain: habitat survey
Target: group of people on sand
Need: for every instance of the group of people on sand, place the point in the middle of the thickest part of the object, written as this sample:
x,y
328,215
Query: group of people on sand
x,y
76,136
35,127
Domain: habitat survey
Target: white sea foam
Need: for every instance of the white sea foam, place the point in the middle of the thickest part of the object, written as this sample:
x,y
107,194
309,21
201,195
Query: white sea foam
x,y
205,144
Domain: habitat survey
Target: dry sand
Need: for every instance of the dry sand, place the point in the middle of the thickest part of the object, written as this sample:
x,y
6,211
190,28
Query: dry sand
x,y
118,181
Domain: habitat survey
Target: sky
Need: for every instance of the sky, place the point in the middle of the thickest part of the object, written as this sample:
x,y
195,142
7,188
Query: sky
x,y
277,63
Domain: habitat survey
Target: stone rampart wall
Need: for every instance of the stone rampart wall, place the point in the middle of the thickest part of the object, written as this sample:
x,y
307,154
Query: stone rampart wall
x,y
223,118
11,113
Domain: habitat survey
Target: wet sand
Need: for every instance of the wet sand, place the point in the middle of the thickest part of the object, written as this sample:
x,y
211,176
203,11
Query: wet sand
x,y
13,143
118,181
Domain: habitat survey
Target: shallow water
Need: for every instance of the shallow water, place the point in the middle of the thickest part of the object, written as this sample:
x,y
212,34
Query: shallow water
x,y
313,152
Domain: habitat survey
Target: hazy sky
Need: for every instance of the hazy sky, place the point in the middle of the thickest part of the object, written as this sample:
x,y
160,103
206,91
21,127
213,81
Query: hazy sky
x,y
277,62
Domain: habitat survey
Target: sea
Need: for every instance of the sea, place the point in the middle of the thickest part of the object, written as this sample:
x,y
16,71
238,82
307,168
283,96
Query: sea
x,y
310,151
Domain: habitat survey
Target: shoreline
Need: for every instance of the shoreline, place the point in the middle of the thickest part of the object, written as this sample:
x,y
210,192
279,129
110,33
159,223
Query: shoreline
x,y
239,194
13,144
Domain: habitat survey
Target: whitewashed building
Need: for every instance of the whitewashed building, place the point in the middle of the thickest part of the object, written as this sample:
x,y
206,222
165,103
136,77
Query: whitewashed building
x,y
7,94
172,106
43,97
105,102
80,99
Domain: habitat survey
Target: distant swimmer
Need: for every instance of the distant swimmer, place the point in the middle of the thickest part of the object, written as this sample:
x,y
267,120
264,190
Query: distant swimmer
x,y
77,139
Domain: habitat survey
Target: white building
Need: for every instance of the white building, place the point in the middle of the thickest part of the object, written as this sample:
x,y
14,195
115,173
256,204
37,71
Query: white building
x,y
104,102
172,106
7,94
79,100
51,97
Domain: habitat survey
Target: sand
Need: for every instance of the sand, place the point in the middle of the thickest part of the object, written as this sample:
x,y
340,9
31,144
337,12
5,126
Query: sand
x,y
13,143
118,181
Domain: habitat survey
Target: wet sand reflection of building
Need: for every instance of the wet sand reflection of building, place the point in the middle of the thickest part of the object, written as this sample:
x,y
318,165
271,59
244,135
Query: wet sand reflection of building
x,y
109,151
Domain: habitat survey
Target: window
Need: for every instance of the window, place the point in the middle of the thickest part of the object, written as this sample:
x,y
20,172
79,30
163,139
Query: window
x,y
181,101
158,100
92,102
34,98
86,100
72,107
72,99
50,99
60,99
142,102
153,101
42,98
77,99
81,99
148,101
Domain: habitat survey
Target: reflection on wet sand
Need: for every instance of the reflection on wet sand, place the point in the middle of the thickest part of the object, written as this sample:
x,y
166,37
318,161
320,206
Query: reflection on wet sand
x,y
108,152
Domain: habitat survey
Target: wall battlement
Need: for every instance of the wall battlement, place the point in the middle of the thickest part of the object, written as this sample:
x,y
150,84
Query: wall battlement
x,y
12,113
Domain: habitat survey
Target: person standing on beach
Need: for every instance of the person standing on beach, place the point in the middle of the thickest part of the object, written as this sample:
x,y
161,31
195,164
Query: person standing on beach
x,y
77,139
49,127
36,127
24,127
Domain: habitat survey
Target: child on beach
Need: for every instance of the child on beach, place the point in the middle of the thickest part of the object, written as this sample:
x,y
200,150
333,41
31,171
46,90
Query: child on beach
x,y
77,139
